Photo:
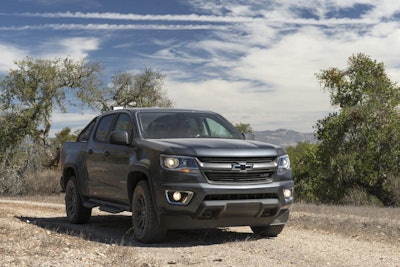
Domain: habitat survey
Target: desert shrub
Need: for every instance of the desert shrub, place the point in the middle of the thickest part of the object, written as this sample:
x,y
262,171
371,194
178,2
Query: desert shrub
x,y
393,183
43,182
357,196
24,170
11,182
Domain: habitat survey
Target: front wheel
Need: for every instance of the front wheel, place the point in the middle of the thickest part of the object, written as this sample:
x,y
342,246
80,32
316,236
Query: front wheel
x,y
146,226
76,212
268,231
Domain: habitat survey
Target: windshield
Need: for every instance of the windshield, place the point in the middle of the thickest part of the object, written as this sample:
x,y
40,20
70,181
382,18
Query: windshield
x,y
159,125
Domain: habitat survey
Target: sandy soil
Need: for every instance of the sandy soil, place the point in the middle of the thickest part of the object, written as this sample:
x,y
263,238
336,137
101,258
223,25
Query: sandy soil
x,y
36,233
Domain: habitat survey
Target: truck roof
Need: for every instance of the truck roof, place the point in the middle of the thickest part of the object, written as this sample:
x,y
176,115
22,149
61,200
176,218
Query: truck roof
x,y
157,109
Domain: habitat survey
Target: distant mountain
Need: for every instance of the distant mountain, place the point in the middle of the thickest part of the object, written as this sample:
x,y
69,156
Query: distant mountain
x,y
284,137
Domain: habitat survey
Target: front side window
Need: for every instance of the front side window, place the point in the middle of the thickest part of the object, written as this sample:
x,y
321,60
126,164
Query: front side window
x,y
124,123
160,125
217,129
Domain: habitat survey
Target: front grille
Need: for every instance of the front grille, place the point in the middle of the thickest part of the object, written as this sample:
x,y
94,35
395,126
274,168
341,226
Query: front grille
x,y
241,196
232,159
238,170
240,177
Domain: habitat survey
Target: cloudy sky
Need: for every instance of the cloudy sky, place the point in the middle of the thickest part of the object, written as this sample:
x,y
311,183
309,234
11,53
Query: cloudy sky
x,y
253,61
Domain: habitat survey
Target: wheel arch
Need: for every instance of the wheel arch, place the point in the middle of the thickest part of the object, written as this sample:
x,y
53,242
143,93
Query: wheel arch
x,y
72,171
68,172
133,179
138,173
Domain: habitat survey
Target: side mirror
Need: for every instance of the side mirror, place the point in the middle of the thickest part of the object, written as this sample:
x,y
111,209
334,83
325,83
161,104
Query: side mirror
x,y
119,138
249,136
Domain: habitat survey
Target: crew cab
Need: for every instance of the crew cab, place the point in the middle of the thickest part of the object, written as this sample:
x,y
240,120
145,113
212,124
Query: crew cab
x,y
175,169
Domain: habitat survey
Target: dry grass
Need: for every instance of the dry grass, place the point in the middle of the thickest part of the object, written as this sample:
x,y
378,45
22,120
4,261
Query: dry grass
x,y
39,182
34,232
366,222
45,182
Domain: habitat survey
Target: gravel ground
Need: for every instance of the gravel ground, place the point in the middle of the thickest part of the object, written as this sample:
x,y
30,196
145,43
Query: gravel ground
x,y
34,233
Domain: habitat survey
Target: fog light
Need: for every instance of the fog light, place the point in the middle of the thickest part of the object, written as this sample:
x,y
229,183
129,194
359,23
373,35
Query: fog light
x,y
287,193
178,197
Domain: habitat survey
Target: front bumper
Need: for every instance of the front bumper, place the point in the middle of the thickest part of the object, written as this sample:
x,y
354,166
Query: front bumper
x,y
226,205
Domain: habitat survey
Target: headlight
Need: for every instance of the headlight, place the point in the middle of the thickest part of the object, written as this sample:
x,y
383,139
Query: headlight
x,y
178,163
283,164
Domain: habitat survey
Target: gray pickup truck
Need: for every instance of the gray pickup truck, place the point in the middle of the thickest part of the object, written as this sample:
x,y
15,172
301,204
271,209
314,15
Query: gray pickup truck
x,y
175,169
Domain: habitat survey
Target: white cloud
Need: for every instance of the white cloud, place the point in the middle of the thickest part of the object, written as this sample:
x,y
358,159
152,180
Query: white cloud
x,y
383,9
73,120
256,62
112,27
233,100
138,17
283,58
75,48
9,54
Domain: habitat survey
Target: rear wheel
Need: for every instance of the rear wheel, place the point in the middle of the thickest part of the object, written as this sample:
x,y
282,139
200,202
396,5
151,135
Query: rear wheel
x,y
268,231
146,226
76,212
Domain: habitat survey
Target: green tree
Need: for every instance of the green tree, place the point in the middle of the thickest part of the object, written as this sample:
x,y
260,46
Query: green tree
x,y
304,164
137,90
360,143
244,127
31,91
64,135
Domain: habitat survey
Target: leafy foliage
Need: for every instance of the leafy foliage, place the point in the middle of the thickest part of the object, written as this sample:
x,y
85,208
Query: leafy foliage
x,y
304,162
30,93
137,90
244,127
65,135
360,144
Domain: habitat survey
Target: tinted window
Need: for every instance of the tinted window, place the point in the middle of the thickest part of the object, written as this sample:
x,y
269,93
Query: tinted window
x,y
217,129
104,128
85,134
124,123
157,125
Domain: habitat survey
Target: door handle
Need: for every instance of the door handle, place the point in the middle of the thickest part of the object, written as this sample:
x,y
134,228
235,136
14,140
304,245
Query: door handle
x,y
107,153
90,152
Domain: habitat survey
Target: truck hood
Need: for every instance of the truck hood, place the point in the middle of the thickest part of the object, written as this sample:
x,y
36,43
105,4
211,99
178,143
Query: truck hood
x,y
213,147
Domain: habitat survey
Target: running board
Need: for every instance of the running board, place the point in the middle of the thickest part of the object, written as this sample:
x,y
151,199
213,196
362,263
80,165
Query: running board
x,y
111,209
105,206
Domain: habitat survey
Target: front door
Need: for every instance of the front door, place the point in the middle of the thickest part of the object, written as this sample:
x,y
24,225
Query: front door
x,y
117,161
96,156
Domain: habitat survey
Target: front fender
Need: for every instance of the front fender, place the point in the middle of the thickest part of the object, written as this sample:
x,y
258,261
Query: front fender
x,y
140,171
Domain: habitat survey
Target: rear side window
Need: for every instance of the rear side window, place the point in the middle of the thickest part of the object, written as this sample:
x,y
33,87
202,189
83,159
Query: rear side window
x,y
85,134
104,127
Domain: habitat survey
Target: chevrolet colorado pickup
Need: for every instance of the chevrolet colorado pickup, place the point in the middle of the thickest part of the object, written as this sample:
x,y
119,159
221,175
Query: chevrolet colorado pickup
x,y
175,169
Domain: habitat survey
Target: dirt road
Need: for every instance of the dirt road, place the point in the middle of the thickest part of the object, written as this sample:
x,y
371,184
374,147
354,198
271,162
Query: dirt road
x,y
36,233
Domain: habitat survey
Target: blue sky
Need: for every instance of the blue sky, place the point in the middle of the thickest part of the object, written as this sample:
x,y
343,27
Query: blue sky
x,y
252,61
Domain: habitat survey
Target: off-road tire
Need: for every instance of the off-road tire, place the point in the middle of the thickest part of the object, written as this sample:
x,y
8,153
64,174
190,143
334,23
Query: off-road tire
x,y
76,212
268,231
146,226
